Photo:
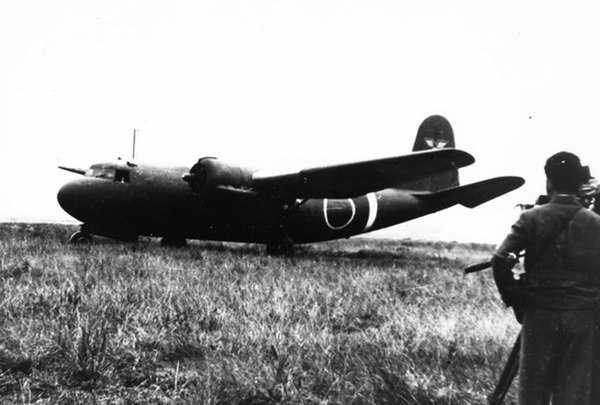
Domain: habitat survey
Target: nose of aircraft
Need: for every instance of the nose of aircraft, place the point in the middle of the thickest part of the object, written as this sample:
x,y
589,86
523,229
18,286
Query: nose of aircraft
x,y
69,197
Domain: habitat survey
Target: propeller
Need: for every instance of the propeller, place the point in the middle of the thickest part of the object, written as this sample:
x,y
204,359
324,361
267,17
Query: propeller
x,y
196,178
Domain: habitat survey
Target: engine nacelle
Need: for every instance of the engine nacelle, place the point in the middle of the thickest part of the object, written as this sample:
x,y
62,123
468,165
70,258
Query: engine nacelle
x,y
209,173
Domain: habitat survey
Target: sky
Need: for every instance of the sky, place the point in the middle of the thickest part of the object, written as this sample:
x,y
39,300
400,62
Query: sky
x,y
282,85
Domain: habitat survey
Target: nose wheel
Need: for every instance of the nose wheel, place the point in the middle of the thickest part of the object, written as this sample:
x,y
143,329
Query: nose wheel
x,y
80,238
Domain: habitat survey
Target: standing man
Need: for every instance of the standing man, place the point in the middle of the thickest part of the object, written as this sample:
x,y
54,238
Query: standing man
x,y
558,300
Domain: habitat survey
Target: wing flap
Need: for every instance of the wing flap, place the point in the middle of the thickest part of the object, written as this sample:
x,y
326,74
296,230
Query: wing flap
x,y
354,179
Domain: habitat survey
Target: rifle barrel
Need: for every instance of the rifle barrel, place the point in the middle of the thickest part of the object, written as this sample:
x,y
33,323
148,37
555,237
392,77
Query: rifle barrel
x,y
487,264
478,267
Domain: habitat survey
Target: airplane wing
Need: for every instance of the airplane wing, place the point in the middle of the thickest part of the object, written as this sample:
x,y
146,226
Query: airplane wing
x,y
474,194
354,179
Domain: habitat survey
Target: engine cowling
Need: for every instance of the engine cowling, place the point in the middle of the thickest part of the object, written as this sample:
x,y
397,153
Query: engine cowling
x,y
209,173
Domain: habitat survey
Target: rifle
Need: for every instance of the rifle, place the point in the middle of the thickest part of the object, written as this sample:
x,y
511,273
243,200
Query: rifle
x,y
488,263
478,267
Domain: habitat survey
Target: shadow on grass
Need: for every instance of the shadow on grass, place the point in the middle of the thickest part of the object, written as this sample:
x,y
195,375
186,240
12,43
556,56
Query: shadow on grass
x,y
358,248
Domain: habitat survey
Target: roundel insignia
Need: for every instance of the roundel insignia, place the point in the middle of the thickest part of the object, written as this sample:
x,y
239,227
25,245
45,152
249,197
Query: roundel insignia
x,y
338,213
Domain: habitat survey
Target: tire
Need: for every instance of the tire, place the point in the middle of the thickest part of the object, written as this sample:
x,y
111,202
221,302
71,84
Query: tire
x,y
80,238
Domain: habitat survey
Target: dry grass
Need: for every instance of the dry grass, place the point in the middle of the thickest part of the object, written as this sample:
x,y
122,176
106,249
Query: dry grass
x,y
358,321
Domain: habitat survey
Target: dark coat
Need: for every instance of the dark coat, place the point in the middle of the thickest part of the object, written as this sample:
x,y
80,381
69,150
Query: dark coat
x,y
562,257
560,297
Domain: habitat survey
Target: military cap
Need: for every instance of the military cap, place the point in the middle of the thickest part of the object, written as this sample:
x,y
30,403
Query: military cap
x,y
565,172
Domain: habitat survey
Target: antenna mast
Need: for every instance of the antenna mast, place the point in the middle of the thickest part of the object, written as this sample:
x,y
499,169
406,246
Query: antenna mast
x,y
133,150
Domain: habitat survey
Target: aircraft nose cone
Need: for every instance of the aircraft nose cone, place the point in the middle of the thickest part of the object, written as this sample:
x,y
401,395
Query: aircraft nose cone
x,y
68,197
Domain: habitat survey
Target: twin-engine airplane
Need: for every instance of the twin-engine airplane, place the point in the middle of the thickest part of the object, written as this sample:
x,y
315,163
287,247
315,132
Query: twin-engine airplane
x,y
213,200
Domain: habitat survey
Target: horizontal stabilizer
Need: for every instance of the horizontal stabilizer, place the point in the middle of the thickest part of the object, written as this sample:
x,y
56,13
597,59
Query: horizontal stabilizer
x,y
475,194
354,179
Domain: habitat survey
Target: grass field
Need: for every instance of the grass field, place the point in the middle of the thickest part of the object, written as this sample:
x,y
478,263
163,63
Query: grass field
x,y
358,321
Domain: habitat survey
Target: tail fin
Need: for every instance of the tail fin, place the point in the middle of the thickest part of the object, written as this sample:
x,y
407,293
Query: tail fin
x,y
435,133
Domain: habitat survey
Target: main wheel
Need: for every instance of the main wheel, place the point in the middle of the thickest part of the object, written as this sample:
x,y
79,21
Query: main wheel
x,y
282,247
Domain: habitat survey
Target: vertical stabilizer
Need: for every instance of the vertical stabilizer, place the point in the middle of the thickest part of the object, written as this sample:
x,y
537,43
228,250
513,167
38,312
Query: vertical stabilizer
x,y
434,133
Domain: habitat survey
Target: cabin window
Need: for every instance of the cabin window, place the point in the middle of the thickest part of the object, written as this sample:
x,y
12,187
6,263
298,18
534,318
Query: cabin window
x,y
122,176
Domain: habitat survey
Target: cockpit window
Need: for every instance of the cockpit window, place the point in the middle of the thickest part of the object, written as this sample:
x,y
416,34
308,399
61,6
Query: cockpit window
x,y
109,173
101,173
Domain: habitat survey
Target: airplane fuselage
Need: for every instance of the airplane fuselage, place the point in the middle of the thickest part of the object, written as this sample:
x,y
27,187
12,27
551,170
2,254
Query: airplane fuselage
x,y
122,202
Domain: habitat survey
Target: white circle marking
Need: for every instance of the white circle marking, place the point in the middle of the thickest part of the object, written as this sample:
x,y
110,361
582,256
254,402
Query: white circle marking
x,y
336,228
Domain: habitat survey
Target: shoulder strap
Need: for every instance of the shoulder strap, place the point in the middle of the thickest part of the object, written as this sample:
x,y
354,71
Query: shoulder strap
x,y
542,252
562,228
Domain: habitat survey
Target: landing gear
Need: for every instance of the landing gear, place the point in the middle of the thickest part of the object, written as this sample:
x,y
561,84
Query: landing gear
x,y
173,241
281,246
80,238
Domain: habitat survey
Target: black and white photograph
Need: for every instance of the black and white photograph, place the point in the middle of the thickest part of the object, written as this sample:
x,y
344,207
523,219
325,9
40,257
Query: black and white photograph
x,y
259,202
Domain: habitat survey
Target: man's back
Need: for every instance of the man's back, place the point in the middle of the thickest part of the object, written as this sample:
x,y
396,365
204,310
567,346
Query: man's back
x,y
562,259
